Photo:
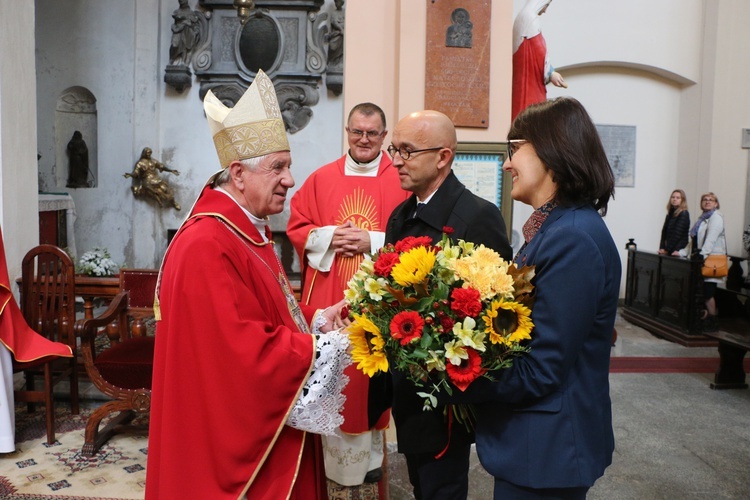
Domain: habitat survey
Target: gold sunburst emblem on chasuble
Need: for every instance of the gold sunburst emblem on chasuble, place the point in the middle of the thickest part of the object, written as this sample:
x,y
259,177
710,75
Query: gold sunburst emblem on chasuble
x,y
358,208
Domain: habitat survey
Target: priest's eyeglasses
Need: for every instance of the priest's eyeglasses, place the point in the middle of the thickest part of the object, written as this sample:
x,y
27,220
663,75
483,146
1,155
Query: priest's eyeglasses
x,y
513,145
406,153
371,134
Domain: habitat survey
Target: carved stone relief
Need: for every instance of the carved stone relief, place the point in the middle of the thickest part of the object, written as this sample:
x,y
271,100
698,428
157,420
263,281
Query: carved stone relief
x,y
289,41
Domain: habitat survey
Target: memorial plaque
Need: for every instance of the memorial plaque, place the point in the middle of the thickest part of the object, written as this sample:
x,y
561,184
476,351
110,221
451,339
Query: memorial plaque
x,y
457,73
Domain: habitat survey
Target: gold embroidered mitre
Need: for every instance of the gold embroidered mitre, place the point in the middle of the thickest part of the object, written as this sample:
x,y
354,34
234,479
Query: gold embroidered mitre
x,y
252,128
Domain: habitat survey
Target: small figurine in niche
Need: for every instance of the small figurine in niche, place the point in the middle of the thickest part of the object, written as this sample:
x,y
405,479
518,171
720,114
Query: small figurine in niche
x,y
78,157
459,34
185,34
146,180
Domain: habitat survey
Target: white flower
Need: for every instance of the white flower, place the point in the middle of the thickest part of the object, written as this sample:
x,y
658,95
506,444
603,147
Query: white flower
x,y
97,262
455,351
468,336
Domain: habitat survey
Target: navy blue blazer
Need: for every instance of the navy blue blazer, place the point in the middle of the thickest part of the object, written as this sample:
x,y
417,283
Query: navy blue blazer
x,y
547,421
472,219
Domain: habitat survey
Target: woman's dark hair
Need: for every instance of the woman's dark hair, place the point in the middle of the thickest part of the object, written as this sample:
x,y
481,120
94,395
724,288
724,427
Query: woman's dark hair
x,y
566,141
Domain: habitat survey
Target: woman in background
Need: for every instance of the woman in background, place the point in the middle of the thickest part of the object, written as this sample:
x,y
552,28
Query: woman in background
x,y
544,425
674,233
707,238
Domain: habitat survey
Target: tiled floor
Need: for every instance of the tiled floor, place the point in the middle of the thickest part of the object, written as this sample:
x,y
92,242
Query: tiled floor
x,y
675,437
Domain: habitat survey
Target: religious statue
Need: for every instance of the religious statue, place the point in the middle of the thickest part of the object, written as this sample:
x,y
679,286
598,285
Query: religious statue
x,y
147,182
78,157
185,34
335,37
459,34
532,70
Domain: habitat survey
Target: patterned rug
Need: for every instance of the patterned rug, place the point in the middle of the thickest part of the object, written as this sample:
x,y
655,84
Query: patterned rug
x,y
40,472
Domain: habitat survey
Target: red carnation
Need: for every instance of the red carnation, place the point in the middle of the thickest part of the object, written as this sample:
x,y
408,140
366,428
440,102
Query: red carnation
x,y
447,323
407,326
410,242
467,372
447,230
466,302
385,263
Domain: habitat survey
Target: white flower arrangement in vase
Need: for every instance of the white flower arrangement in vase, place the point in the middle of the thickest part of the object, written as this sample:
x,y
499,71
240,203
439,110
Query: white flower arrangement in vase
x,y
97,262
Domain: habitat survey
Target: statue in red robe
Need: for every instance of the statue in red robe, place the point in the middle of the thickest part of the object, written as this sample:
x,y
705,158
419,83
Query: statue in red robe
x,y
531,68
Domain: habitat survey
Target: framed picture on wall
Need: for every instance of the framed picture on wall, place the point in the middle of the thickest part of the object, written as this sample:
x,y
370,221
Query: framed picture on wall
x,y
619,145
479,166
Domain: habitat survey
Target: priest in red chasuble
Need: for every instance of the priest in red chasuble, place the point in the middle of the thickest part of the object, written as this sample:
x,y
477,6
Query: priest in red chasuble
x,y
243,376
337,216
20,342
531,68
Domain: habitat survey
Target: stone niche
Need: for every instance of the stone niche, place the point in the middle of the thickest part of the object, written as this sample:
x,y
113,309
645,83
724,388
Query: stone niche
x,y
284,38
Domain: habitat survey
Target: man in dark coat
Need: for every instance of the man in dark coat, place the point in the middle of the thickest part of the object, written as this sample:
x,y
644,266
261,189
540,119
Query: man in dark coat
x,y
423,148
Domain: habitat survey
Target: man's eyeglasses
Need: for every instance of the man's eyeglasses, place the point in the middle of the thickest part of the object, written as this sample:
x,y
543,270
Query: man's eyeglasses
x,y
513,145
371,134
406,153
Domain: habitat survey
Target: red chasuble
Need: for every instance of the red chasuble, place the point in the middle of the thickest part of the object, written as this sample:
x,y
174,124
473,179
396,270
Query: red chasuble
x,y
529,85
21,340
229,365
330,198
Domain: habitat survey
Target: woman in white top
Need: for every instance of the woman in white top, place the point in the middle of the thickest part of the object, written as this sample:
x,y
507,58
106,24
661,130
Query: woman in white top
x,y
707,238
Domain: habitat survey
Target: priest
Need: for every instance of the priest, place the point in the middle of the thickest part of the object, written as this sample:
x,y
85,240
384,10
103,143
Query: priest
x,y
337,216
242,374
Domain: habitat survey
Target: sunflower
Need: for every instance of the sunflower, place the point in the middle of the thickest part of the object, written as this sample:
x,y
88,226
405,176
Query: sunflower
x,y
367,346
469,370
413,266
508,322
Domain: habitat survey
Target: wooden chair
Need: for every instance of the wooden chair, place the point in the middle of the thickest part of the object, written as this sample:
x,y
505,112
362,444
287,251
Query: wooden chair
x,y
123,367
48,306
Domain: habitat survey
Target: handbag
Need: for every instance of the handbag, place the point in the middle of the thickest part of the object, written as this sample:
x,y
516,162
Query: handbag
x,y
715,266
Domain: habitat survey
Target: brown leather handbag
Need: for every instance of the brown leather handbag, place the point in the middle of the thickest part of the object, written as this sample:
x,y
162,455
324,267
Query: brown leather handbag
x,y
715,266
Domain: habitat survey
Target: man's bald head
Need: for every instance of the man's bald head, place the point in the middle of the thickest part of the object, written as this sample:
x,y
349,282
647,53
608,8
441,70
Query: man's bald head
x,y
428,139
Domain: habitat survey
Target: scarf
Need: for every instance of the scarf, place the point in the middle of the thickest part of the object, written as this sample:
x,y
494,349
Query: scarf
x,y
703,216
536,220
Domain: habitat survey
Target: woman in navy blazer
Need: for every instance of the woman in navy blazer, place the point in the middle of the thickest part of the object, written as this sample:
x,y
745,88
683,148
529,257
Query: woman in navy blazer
x,y
544,426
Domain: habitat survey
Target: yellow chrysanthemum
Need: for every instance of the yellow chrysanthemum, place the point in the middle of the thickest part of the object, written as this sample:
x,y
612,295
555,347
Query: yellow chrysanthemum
x,y
486,271
508,322
413,266
367,346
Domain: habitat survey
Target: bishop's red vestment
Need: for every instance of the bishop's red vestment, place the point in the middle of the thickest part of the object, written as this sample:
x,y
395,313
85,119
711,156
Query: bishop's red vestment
x,y
230,362
21,340
529,78
330,198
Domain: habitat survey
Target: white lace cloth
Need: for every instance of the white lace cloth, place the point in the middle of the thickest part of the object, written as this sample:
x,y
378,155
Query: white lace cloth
x,y
319,406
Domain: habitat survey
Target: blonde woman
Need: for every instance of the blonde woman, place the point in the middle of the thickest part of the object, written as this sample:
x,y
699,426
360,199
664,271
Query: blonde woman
x,y
708,238
674,233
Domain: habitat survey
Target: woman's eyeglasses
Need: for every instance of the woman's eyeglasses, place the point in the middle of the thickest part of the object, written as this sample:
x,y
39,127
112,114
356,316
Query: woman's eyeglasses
x,y
513,145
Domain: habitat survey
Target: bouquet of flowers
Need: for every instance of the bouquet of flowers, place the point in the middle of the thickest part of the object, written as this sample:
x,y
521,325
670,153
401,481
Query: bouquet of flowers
x,y
445,315
97,262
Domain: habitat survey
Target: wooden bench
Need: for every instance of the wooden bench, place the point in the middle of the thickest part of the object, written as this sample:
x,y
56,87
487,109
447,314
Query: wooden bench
x,y
733,303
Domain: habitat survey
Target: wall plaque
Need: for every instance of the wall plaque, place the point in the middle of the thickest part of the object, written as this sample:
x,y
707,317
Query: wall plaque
x,y
457,73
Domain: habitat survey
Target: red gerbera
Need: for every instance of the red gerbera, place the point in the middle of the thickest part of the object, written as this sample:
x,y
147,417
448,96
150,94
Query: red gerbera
x,y
410,242
466,302
447,229
385,263
407,326
467,372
